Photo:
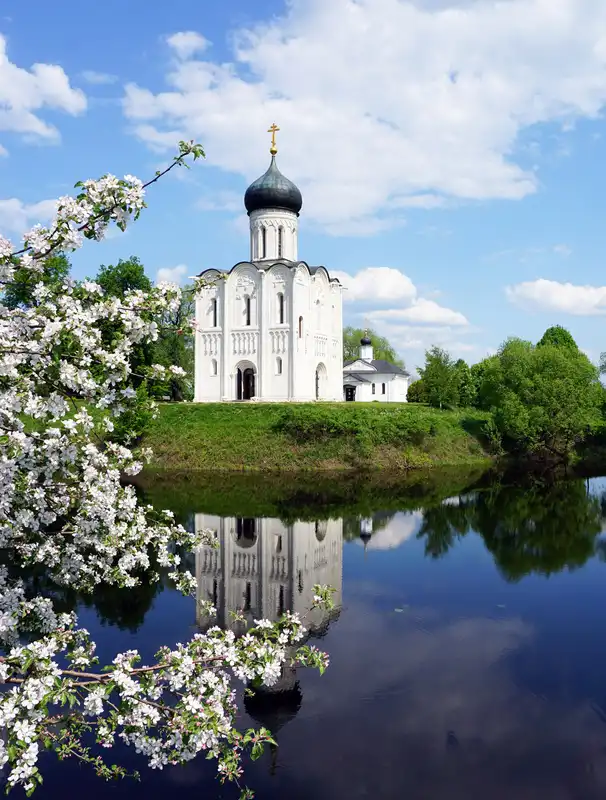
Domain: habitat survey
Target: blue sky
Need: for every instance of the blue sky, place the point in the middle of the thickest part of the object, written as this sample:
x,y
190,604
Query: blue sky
x,y
451,153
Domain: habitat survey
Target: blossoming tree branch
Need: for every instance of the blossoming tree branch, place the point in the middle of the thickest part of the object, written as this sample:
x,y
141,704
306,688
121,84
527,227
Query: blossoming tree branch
x,y
65,379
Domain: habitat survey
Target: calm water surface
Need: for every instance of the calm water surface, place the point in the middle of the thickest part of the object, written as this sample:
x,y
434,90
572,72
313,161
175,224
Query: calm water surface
x,y
468,654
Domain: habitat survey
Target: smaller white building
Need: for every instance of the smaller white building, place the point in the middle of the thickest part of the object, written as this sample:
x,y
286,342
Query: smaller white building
x,y
367,379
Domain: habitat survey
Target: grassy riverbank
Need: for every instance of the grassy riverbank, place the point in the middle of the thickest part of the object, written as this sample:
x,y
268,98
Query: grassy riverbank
x,y
322,436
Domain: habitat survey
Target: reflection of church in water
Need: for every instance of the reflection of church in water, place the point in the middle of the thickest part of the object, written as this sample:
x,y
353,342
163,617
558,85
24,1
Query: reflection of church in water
x,y
264,567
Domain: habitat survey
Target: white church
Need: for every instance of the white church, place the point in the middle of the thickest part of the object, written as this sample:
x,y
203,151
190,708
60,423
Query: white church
x,y
271,328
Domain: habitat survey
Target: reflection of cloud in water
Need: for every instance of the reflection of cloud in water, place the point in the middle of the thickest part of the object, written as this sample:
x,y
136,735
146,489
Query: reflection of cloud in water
x,y
398,530
425,708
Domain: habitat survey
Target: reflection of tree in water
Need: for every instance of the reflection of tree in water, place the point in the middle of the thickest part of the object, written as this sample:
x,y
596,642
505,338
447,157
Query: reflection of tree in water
x,y
126,608
542,527
443,525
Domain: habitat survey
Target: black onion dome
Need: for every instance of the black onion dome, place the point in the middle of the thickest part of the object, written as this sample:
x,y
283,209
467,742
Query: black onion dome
x,y
273,190
365,340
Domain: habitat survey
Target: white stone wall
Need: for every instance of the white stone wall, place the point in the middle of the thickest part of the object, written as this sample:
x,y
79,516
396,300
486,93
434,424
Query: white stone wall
x,y
252,294
396,388
265,567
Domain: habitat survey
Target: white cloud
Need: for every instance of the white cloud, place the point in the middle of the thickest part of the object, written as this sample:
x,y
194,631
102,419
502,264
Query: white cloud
x,y
376,283
422,312
389,300
568,298
172,274
187,43
17,216
98,78
431,109
24,92
397,531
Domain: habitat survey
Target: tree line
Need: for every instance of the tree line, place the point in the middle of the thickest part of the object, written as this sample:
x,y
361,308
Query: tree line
x,y
544,399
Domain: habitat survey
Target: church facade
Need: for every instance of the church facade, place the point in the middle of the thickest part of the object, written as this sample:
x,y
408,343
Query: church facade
x,y
270,328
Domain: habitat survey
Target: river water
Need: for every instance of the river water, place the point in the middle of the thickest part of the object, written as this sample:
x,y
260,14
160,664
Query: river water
x,y
468,649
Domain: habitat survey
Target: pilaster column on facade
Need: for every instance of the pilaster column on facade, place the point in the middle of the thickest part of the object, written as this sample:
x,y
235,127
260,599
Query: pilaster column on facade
x,y
262,356
198,351
292,338
227,387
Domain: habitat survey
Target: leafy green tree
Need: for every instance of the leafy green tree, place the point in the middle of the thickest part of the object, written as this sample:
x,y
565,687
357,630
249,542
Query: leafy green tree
x,y
382,349
466,384
558,337
176,347
416,392
117,279
440,378
478,373
545,400
19,293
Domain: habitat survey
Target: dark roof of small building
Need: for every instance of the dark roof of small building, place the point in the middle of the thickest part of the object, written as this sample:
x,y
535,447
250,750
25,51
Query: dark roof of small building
x,y
273,190
385,367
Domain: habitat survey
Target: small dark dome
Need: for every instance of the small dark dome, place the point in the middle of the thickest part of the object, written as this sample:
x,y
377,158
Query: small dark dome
x,y
365,340
273,190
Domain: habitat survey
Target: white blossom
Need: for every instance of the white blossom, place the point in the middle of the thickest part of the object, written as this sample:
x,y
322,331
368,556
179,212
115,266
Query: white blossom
x,y
63,507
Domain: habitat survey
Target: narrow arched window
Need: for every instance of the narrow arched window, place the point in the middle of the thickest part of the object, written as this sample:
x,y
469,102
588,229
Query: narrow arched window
x,y
280,308
373,388
213,311
300,327
278,366
247,310
280,241
263,242
383,388
213,367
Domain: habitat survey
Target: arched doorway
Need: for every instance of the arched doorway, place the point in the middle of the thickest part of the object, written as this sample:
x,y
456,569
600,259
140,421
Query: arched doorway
x,y
321,381
245,382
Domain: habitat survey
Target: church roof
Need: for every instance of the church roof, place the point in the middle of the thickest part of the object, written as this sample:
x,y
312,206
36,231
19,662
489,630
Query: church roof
x,y
268,263
381,366
273,190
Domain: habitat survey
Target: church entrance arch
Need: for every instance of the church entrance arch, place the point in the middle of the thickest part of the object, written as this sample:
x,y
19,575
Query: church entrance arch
x,y
321,382
246,375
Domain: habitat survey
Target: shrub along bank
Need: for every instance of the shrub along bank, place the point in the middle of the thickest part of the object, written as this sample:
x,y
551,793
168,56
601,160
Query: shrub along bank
x,y
314,436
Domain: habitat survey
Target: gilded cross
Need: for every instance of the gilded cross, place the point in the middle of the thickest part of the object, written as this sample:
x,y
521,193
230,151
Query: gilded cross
x,y
273,149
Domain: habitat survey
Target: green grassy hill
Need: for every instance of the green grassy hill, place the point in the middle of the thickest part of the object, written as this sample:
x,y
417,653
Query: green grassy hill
x,y
313,436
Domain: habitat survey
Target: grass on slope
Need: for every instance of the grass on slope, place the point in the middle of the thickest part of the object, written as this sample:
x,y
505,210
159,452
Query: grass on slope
x,y
310,436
